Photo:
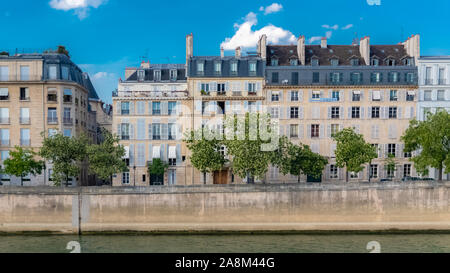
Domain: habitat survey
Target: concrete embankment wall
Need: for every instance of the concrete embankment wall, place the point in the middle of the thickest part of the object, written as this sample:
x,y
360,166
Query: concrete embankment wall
x,y
415,206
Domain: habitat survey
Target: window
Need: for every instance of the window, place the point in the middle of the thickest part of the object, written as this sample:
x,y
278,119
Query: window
x,y
156,108
24,115
336,77
4,137
315,130
4,73
52,95
356,112
407,170
275,96
200,67
376,112
25,137
172,131
316,77
334,129
275,112
374,171
392,149
204,87
442,76
157,75
52,116
126,178
156,131
4,115
375,62
172,108
316,95
410,77
427,95
293,62
294,112
354,62
393,95
67,95
354,175
234,67
441,95
4,155
294,96
65,73
294,130
173,75
394,77
125,108
125,131
52,75
217,67
392,112
334,172
4,94
428,79
274,62
356,96
24,73
314,62
252,107
376,77
252,67
356,78
68,132
335,95
275,77
410,96
407,61
24,93
294,77
252,88
334,62
390,62
335,112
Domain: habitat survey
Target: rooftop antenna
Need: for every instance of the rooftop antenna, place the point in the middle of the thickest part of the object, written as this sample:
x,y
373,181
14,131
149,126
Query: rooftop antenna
x,y
145,57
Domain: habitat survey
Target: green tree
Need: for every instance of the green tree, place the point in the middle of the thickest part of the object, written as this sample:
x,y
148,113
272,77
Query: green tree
x,y
66,154
352,151
390,162
205,151
432,139
22,162
298,159
249,158
157,167
106,159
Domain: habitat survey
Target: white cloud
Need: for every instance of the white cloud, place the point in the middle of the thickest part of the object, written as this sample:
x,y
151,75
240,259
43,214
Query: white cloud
x,y
81,7
314,39
246,37
101,75
349,26
335,27
275,7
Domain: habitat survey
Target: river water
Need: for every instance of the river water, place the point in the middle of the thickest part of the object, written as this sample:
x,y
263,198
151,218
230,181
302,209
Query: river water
x,y
227,243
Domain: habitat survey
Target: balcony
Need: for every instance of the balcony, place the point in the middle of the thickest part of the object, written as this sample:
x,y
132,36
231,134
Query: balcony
x,y
125,137
19,78
68,121
150,94
25,142
4,98
52,120
221,93
252,93
4,121
25,120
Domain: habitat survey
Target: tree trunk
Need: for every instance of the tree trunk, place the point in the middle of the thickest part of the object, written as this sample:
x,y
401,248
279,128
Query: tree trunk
x,y
440,174
21,180
346,176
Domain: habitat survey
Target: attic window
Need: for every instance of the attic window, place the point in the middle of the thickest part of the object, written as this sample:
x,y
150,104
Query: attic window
x,y
274,62
390,62
291,51
310,51
293,62
375,62
272,51
141,75
314,62
354,62
334,62
331,51
407,61
396,49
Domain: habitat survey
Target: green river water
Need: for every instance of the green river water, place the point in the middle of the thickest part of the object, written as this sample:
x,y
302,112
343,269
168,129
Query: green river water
x,y
430,243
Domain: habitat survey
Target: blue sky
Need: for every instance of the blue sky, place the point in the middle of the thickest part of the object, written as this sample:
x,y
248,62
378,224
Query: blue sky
x,y
105,36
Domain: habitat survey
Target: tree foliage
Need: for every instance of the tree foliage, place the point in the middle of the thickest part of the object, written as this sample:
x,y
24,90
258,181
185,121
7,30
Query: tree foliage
x,y
66,154
22,162
298,159
106,158
432,139
157,167
352,151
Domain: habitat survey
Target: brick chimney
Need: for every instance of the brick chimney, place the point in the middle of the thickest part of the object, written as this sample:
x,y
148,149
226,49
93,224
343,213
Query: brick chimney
x,y
145,65
412,46
301,51
324,42
189,47
222,52
262,46
364,49
238,52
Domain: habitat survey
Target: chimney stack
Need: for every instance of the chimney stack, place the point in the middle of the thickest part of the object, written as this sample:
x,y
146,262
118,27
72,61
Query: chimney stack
x,y
301,51
262,46
238,52
189,47
145,65
412,47
222,52
323,43
364,49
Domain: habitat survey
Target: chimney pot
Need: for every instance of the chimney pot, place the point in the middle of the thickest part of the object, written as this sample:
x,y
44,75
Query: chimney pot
x,y
238,52
222,52
323,43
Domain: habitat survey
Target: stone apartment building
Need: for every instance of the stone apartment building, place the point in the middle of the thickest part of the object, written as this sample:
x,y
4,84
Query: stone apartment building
x,y
317,90
152,109
434,86
41,93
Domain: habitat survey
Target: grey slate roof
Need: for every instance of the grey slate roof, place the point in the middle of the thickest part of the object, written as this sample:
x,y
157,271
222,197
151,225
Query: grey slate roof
x,y
243,66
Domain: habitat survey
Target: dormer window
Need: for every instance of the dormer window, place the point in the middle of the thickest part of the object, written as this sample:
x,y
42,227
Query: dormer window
x,y
315,62
173,75
252,67
334,62
274,62
234,67
293,62
217,67
390,62
354,62
157,75
141,75
407,61
375,62
200,68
